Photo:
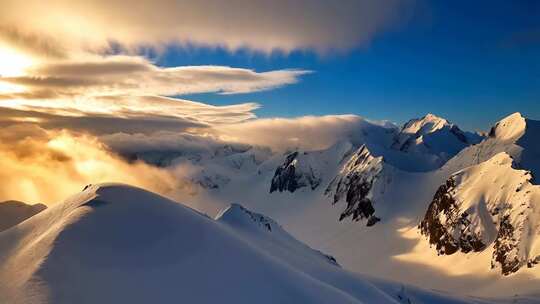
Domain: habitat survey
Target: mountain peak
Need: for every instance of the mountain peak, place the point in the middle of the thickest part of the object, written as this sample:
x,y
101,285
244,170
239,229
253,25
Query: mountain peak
x,y
431,116
511,127
424,125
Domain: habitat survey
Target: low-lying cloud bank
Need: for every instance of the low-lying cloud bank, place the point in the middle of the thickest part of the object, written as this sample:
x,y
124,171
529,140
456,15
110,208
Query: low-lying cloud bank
x,y
41,166
309,132
47,165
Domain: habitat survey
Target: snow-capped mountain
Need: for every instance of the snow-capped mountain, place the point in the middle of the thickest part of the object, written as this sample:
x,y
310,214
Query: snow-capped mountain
x,y
118,244
14,212
435,136
493,203
515,135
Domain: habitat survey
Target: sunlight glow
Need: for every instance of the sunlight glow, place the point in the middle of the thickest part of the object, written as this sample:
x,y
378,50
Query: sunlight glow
x,y
12,63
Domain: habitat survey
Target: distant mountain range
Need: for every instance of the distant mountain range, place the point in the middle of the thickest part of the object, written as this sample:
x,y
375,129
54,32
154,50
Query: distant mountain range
x,y
470,200
353,175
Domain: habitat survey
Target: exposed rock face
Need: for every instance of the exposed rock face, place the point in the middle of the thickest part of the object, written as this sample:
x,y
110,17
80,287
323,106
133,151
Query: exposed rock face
x,y
295,173
490,203
505,248
354,184
14,212
444,221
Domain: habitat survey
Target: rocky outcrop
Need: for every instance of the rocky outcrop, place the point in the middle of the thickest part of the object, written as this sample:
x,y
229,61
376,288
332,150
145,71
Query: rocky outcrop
x,y
504,250
295,173
354,185
446,226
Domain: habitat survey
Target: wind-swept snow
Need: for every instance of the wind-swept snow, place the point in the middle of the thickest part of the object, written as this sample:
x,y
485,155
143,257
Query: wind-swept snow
x,y
118,244
13,212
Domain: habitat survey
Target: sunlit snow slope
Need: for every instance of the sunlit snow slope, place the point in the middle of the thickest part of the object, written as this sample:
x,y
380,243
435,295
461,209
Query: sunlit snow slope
x,y
119,244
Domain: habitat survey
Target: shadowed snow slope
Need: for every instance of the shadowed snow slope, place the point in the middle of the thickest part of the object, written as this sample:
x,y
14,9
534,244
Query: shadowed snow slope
x,y
119,244
13,212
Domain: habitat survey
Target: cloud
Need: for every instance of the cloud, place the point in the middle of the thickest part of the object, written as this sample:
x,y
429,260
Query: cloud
x,y
309,132
256,24
133,75
33,43
125,94
163,141
41,166
278,134
143,114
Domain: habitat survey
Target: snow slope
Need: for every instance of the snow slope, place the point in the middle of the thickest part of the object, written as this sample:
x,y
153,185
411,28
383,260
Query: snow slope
x,y
119,244
515,135
14,212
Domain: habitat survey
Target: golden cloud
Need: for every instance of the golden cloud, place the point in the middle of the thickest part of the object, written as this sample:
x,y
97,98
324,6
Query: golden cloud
x,y
42,166
51,27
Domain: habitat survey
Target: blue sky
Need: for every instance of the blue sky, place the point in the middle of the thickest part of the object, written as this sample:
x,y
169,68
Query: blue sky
x,y
471,62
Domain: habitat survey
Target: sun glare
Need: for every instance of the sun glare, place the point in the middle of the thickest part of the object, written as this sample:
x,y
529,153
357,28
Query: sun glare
x,y
13,63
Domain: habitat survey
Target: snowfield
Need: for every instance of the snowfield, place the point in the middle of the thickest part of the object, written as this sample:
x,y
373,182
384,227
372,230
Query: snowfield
x,y
119,244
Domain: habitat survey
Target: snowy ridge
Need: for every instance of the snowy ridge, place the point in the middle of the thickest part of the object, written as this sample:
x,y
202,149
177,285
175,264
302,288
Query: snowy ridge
x,y
119,244
488,204
354,185
514,135
308,169
14,212
510,128
268,233
239,215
